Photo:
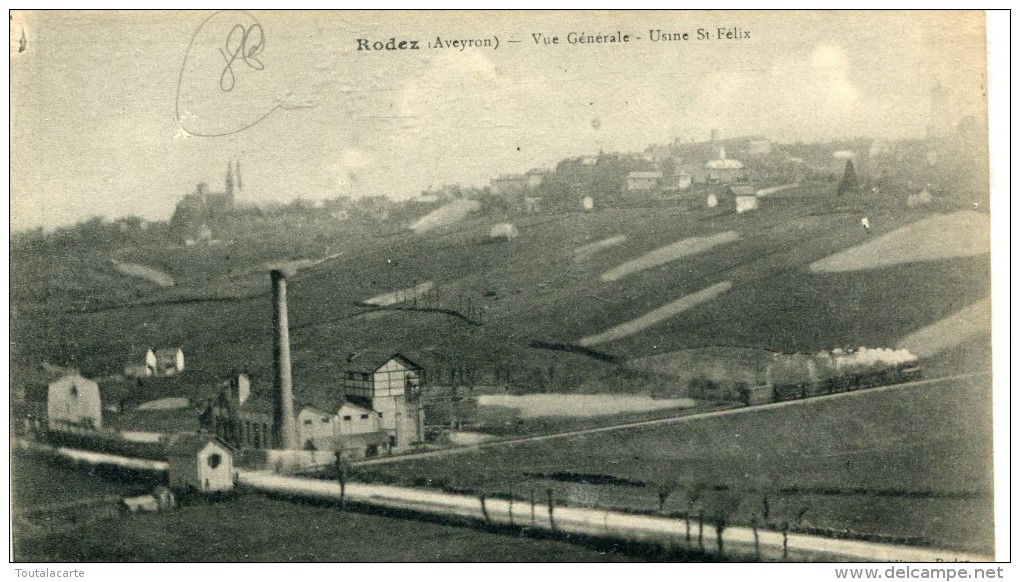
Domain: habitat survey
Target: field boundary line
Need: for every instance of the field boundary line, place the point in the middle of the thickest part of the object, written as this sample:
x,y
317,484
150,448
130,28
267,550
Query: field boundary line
x,y
662,421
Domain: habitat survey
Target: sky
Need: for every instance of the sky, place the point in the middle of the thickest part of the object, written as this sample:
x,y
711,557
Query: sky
x,y
123,113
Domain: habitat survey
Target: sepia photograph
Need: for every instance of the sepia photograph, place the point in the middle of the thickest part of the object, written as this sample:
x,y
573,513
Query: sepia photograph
x,y
503,286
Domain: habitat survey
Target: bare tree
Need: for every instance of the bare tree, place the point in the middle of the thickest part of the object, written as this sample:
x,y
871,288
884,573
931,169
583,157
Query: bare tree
x,y
664,490
800,513
694,494
342,465
754,528
485,511
722,503
786,528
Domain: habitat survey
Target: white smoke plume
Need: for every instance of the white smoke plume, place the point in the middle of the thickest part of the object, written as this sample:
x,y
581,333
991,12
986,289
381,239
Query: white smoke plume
x,y
870,358
797,368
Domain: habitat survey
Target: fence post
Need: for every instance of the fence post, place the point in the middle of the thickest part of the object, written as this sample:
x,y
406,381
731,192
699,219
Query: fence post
x,y
552,524
786,532
511,510
757,547
701,531
485,512
341,476
532,508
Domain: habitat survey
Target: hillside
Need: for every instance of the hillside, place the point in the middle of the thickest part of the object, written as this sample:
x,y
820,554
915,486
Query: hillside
x,y
911,461
558,282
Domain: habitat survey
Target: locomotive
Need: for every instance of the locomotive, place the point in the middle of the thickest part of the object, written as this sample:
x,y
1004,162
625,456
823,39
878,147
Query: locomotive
x,y
797,376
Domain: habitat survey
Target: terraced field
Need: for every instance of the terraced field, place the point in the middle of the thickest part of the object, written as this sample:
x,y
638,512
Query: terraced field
x,y
535,287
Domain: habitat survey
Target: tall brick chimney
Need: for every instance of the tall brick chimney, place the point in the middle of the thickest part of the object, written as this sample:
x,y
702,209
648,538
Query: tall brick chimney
x,y
285,433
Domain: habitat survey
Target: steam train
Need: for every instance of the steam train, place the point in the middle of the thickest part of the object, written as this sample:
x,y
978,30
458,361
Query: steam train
x,y
848,382
839,371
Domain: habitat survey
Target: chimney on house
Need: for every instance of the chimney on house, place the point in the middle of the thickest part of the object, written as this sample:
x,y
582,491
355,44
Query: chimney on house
x,y
285,433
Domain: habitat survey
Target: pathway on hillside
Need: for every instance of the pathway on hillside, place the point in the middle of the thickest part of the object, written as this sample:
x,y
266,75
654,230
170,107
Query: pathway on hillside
x,y
643,423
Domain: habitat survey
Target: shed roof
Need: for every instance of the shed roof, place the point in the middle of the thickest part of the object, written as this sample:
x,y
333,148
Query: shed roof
x,y
167,353
743,190
649,175
372,361
140,354
190,443
724,165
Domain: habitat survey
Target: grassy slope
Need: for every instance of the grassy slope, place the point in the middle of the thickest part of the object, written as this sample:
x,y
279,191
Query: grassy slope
x,y
532,288
38,480
923,453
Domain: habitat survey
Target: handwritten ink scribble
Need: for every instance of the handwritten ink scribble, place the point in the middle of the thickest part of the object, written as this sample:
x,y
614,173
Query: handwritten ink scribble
x,y
246,42
220,88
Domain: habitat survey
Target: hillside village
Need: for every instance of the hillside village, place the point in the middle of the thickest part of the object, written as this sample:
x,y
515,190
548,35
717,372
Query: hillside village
x,y
406,320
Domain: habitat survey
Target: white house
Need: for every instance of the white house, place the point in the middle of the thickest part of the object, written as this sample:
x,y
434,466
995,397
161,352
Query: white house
x,y
643,180
390,388
200,462
724,170
360,432
746,203
683,180
142,364
238,387
73,401
316,429
169,361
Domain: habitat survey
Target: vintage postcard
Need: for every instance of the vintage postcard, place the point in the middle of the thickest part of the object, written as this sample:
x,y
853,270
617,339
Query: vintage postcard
x,y
649,286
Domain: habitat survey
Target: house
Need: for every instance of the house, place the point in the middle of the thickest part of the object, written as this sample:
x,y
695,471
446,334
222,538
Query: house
x,y
643,181
359,431
532,204
73,402
247,425
238,386
723,170
142,364
536,176
389,386
509,184
200,462
745,203
353,429
759,147
169,361
29,389
682,180
325,425
316,429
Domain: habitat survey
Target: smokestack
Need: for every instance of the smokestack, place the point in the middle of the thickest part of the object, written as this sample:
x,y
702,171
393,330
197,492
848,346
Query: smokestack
x,y
285,435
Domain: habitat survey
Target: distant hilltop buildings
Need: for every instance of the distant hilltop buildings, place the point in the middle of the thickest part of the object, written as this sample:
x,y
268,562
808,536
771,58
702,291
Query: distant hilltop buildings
x,y
195,211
